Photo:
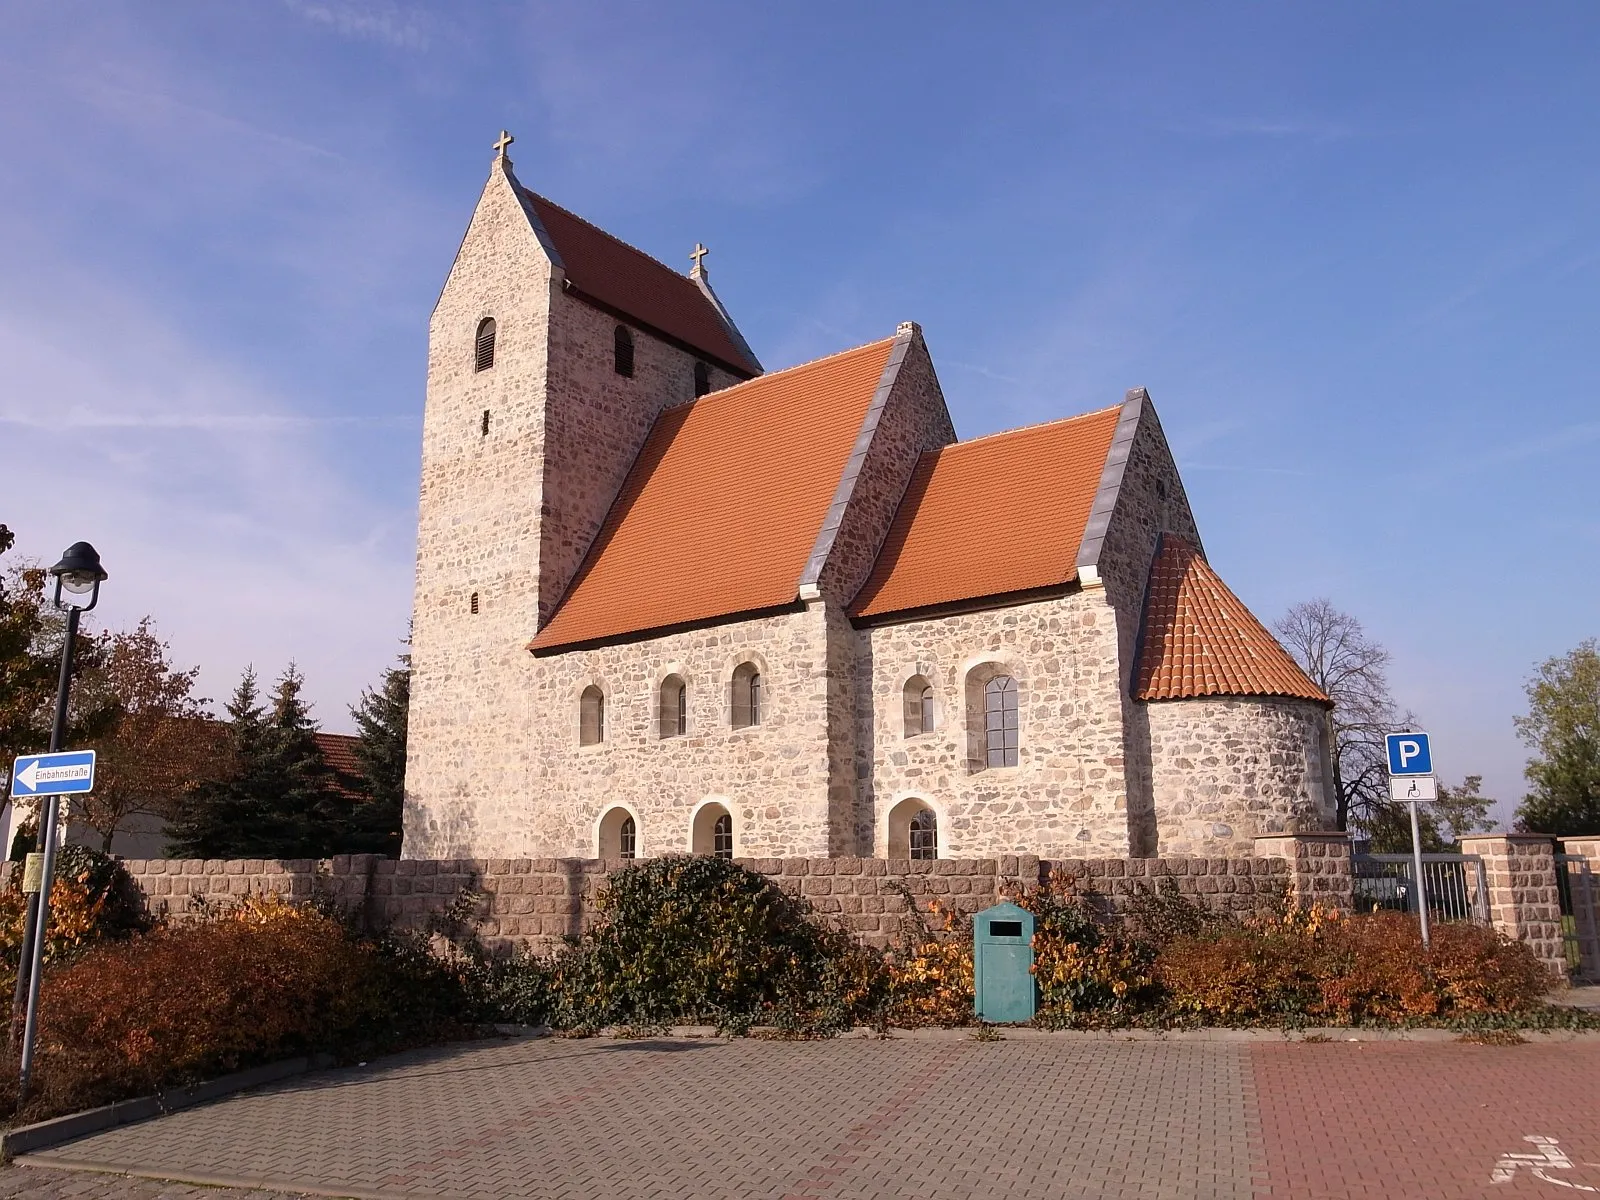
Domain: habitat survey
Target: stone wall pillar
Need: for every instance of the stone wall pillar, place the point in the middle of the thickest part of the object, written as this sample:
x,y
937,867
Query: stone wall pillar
x,y
1319,866
1523,902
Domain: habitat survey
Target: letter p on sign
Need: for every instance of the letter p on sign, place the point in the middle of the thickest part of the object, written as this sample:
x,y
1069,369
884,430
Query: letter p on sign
x,y
1409,754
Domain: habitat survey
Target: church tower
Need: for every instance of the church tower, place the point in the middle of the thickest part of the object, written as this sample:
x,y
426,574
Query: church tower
x,y
551,350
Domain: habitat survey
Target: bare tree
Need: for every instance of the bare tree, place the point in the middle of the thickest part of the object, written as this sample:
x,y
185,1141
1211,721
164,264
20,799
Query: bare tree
x,y
1353,670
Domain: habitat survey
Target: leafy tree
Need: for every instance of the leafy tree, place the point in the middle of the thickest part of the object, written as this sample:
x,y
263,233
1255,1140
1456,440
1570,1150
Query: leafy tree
x,y
162,743
1563,728
375,826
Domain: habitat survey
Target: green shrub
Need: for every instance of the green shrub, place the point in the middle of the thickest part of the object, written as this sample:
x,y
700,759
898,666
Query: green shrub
x,y
698,940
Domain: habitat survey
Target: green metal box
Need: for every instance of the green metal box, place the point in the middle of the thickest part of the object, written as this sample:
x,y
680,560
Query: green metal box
x,y
1003,989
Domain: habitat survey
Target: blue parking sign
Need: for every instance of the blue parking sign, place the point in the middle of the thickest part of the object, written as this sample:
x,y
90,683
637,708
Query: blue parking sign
x,y
1409,754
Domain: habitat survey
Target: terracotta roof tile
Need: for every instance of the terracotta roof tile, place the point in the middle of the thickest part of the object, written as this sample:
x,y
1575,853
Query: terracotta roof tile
x,y
339,753
994,515
1198,638
720,511
630,281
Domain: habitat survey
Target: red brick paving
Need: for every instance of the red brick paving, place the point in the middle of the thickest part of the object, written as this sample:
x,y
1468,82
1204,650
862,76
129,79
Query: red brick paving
x,y
1423,1119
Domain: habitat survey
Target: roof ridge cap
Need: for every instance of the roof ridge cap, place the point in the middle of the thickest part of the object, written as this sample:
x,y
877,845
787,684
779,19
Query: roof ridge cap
x,y
644,254
1033,428
768,376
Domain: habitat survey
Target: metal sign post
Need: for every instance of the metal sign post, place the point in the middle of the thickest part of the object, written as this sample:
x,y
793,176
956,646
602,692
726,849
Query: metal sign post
x,y
1412,783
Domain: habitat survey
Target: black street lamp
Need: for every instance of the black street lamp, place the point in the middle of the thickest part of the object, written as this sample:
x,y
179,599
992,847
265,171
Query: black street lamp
x,y
78,574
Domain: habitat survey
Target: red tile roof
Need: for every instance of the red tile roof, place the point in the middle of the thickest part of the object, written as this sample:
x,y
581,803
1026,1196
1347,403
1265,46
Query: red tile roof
x,y
629,281
1199,639
339,753
723,505
995,515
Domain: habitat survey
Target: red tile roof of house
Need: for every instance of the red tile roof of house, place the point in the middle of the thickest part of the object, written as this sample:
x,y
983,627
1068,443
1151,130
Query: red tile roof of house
x,y
721,509
629,281
995,515
1198,638
339,753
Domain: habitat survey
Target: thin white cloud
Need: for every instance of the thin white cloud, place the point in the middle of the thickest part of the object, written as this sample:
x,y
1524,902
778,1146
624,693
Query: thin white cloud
x,y
369,20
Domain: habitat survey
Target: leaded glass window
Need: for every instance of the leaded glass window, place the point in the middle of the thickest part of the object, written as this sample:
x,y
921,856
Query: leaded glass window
x,y
627,838
925,835
1000,721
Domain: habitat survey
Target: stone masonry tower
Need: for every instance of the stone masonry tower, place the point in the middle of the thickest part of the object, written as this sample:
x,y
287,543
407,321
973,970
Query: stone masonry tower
x,y
551,350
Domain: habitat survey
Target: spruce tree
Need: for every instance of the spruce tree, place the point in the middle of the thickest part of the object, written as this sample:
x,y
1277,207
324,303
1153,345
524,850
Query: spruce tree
x,y
375,826
302,817
221,817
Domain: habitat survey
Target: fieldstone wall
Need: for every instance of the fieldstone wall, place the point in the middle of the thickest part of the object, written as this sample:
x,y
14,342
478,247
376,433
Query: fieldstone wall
x,y
533,903
507,515
1225,769
1150,501
1066,795
773,777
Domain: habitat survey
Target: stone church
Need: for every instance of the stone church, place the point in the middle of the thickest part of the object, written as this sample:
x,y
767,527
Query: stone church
x,y
669,602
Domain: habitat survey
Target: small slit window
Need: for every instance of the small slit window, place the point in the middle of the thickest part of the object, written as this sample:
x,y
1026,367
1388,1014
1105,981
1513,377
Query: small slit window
x,y
622,351
674,713
702,379
747,700
1000,721
473,603
591,716
483,347
483,426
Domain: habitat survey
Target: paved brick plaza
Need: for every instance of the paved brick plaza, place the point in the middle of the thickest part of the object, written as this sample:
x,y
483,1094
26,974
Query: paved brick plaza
x,y
846,1120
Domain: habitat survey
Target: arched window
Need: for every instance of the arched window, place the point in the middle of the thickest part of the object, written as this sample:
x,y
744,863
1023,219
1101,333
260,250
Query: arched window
x,y
674,708
1000,721
918,697
622,351
592,717
619,834
483,347
702,379
913,830
712,832
746,696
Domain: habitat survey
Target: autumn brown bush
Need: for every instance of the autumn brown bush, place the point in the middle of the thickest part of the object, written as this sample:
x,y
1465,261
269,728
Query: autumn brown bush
x,y
262,981
1318,965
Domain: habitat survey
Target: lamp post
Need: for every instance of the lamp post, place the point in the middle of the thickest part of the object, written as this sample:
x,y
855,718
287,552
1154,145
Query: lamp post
x,y
78,574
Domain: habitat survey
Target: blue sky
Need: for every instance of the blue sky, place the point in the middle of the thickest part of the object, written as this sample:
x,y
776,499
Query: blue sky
x,y
1350,249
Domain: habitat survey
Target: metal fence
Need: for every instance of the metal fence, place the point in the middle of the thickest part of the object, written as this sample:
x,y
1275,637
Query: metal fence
x,y
1457,885
1576,885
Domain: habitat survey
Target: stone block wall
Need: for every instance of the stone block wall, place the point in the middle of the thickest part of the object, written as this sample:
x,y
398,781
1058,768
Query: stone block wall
x,y
1523,900
1320,870
533,902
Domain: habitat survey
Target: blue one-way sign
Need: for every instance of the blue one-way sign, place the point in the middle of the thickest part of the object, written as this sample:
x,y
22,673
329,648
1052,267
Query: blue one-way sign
x,y
1409,754
69,773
